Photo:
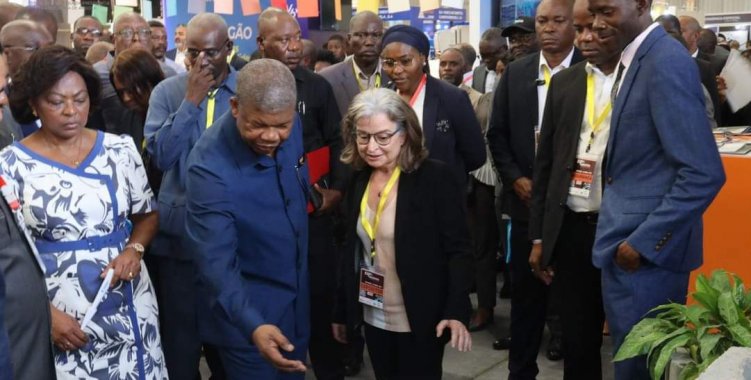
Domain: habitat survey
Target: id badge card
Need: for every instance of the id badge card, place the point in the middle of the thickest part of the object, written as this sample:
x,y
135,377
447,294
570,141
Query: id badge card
x,y
583,176
371,288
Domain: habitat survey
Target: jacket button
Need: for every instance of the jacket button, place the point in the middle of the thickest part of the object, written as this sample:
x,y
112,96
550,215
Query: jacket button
x,y
610,180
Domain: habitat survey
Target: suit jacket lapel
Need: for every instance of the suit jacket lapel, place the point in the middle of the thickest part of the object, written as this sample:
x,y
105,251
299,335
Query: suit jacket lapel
x,y
579,102
348,81
627,83
530,86
430,111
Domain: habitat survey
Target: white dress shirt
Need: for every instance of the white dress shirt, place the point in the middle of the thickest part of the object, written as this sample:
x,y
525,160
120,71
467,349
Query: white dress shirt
x,y
603,85
542,91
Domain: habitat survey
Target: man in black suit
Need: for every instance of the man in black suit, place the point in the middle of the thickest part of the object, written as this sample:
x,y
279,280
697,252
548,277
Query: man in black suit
x,y
492,47
707,45
522,37
566,195
514,125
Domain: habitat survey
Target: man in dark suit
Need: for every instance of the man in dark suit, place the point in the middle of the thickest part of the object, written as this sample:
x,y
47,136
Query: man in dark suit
x,y
567,192
279,39
177,54
25,344
363,70
707,45
662,172
492,47
521,37
512,135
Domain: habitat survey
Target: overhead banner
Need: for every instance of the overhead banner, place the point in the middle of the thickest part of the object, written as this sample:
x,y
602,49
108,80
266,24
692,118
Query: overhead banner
x,y
241,17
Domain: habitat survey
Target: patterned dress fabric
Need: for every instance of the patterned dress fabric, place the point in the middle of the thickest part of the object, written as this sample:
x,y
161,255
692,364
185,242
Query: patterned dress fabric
x,y
78,219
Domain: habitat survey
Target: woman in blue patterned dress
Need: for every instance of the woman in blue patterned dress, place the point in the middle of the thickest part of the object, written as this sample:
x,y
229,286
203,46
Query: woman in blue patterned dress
x,y
87,203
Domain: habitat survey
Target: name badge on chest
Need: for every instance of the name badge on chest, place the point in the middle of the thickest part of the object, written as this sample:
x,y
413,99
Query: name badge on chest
x,y
371,288
583,175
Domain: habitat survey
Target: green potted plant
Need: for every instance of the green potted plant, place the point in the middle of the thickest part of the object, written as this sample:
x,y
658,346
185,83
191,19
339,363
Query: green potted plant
x,y
719,319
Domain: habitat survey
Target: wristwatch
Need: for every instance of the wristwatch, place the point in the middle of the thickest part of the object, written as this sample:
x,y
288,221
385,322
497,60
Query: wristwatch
x,y
138,247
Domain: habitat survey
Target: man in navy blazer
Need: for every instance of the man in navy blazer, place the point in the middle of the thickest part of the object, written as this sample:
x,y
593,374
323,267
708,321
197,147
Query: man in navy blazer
x,y
247,230
662,171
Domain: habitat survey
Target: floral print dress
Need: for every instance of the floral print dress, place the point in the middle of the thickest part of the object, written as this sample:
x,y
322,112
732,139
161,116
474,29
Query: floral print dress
x,y
78,219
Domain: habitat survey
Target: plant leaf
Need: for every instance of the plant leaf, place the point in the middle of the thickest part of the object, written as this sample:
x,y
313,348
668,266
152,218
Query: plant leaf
x,y
642,335
708,300
720,280
689,372
695,314
728,309
666,352
637,345
655,346
741,335
707,343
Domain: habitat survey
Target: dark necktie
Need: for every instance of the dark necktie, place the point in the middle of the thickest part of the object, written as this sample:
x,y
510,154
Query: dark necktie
x,y
618,77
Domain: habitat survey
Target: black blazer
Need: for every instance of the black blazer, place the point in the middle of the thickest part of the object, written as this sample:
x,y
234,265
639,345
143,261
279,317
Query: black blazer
x,y
452,132
433,251
556,155
171,53
511,134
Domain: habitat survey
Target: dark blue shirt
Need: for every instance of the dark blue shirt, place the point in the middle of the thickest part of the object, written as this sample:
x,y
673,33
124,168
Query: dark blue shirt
x,y
246,230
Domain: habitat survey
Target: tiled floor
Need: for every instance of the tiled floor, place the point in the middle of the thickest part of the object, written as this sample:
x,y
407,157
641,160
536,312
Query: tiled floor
x,y
483,363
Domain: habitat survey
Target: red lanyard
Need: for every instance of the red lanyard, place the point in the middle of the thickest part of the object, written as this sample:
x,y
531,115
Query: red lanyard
x,y
420,88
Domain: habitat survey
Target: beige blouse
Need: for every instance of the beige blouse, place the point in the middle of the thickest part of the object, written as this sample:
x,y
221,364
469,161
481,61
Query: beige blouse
x,y
393,317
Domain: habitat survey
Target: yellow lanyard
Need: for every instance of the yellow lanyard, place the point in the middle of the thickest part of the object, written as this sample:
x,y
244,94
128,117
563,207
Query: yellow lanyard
x,y
210,108
594,123
371,230
359,84
546,74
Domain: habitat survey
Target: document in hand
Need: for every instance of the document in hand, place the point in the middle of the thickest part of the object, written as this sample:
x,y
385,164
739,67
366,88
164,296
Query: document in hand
x,y
737,72
98,299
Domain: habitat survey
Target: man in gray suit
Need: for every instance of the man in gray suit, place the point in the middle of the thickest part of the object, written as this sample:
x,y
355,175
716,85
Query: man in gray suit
x,y
26,311
363,70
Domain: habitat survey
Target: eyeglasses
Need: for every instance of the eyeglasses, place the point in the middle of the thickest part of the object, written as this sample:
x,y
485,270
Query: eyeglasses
x,y
96,33
521,38
208,53
381,138
366,35
404,62
128,34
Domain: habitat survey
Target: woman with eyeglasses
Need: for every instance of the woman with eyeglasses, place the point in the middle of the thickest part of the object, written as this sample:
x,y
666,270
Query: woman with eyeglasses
x,y
452,132
405,270
84,197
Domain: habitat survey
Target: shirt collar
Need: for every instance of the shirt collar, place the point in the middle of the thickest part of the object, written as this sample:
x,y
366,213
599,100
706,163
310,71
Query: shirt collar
x,y
630,51
230,82
564,64
590,68
360,74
